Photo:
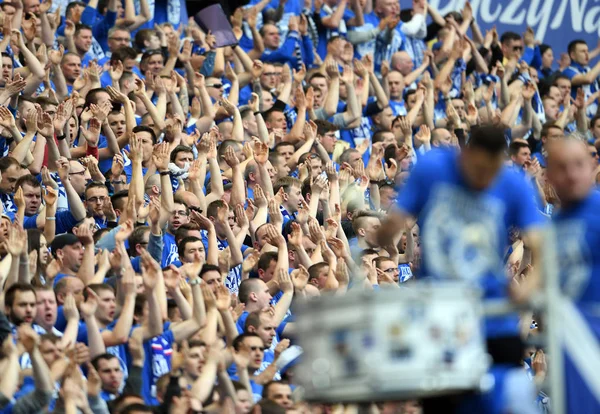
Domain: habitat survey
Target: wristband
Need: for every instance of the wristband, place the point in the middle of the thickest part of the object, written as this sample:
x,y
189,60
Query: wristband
x,y
61,137
195,282
117,182
257,113
163,173
50,218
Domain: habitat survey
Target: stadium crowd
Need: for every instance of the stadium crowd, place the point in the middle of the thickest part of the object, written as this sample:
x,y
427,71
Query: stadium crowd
x,y
165,201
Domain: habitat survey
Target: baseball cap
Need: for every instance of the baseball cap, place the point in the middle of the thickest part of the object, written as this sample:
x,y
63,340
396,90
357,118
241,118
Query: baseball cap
x,y
63,240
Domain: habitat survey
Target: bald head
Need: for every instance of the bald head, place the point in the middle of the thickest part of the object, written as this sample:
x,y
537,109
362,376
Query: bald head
x,y
402,62
189,199
570,169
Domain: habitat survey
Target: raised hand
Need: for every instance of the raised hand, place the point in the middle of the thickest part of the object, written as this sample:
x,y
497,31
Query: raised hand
x,y
92,133
230,158
299,278
285,282
45,125
161,156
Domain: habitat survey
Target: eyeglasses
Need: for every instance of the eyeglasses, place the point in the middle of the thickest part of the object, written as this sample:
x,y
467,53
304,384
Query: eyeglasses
x,y
97,199
181,213
594,154
271,74
78,173
215,85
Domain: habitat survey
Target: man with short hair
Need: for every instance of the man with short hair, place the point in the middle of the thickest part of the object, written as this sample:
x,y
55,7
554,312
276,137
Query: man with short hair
x,y
10,171
292,195
550,132
279,392
576,239
582,75
110,373
366,225
20,304
82,39
96,201
520,154
211,275
465,205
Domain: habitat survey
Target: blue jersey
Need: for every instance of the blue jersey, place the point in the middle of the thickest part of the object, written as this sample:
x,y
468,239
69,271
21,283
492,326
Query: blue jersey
x,y
170,253
157,363
465,232
120,351
577,239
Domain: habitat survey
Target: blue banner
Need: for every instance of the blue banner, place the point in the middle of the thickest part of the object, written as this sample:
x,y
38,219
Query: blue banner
x,y
555,22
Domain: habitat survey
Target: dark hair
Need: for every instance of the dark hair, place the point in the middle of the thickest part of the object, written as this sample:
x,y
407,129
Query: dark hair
x,y
123,53
379,136
283,144
7,162
559,76
546,128
72,5
573,45
324,126
515,147
90,98
183,231
33,241
28,179
140,302
268,385
265,260
141,128
11,292
208,268
136,408
489,138
102,357
544,47
80,26
119,197
508,36
136,238
211,210
94,184
184,241
178,149
240,338
594,120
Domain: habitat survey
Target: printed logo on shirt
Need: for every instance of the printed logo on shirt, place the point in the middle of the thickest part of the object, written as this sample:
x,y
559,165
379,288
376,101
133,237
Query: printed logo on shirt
x,y
461,232
574,256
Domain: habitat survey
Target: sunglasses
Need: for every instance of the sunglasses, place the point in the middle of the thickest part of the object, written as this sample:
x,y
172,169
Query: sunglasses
x,y
215,85
594,154
518,48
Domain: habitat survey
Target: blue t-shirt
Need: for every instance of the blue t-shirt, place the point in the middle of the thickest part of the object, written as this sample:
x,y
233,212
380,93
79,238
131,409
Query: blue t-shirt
x,y
157,363
465,232
577,240
170,253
